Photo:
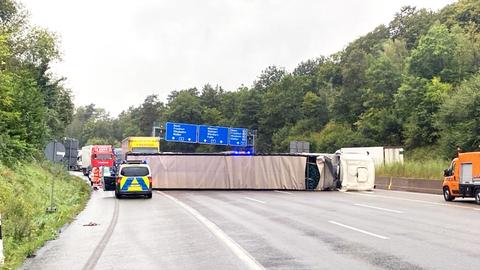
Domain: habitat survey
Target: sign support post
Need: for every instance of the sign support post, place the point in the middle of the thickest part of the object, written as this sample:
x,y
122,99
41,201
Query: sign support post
x,y
54,152
52,208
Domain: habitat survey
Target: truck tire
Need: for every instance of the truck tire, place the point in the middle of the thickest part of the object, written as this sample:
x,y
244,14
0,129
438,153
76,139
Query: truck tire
x,y
477,195
446,195
117,195
149,196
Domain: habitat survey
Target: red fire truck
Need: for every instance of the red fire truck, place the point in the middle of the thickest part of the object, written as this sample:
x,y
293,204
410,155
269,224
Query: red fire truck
x,y
96,156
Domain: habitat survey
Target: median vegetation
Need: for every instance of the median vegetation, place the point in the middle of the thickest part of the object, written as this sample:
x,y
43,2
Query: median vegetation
x,y
422,163
25,195
427,169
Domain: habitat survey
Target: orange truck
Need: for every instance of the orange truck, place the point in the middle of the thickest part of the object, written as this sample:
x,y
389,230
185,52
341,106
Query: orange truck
x,y
462,178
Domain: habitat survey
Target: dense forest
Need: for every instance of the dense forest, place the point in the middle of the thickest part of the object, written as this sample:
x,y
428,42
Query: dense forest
x,y
413,83
34,104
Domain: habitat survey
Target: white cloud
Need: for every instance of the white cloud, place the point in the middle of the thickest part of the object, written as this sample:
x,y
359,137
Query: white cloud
x,y
117,52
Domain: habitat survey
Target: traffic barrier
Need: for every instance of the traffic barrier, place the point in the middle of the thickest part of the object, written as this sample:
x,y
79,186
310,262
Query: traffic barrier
x,y
409,184
2,258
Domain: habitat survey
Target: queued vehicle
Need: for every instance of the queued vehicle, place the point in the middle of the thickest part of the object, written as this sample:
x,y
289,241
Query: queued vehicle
x,y
140,145
462,178
79,161
132,178
96,156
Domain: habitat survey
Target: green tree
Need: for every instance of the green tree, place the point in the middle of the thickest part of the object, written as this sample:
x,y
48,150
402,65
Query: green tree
x,y
348,104
268,77
335,136
249,107
309,67
185,108
149,112
444,54
463,12
459,118
315,111
211,97
410,24
85,121
426,97
211,116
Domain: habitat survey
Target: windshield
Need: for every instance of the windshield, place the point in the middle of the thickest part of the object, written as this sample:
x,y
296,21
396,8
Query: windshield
x,y
102,156
146,150
106,171
134,171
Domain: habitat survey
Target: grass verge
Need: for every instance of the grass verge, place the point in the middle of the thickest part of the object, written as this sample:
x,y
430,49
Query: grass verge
x,y
425,169
24,197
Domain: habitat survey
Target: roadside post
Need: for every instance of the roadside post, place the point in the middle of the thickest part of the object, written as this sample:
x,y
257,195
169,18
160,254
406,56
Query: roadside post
x,y
2,258
54,151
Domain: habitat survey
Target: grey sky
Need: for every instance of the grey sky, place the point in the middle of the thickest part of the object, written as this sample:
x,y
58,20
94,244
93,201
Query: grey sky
x,y
117,52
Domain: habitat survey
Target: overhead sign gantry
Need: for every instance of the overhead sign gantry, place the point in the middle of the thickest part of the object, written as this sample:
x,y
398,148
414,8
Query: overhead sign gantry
x,y
203,134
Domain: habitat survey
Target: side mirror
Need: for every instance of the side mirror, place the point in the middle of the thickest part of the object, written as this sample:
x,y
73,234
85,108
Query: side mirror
x,y
445,172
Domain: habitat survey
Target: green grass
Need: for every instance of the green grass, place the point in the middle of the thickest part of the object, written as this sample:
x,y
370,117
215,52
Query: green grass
x,y
24,197
425,169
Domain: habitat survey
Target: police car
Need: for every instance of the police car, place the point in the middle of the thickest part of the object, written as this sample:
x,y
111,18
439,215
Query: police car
x,y
130,179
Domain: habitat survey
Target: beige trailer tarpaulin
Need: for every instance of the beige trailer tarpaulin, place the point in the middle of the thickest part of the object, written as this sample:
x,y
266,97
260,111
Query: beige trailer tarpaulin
x,y
226,172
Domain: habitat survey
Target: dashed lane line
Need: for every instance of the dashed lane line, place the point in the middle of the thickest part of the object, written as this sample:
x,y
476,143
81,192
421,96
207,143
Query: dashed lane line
x,y
254,200
413,200
283,192
378,208
358,230
241,253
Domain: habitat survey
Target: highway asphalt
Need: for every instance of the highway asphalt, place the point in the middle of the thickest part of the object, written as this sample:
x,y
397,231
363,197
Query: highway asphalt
x,y
194,229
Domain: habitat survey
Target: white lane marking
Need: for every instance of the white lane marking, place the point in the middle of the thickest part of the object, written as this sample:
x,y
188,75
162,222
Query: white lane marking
x,y
414,200
284,192
255,200
360,193
380,191
358,230
378,208
241,253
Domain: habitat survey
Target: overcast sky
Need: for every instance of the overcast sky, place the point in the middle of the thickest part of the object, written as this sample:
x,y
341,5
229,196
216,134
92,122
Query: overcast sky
x,y
116,52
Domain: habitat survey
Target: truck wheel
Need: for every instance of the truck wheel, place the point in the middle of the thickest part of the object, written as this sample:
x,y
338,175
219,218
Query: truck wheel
x,y
446,195
149,196
117,195
477,195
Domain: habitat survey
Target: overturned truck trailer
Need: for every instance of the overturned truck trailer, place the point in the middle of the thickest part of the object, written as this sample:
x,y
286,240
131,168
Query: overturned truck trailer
x,y
226,171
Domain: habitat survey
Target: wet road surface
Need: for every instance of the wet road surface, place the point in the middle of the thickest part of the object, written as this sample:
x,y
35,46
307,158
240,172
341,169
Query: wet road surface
x,y
186,229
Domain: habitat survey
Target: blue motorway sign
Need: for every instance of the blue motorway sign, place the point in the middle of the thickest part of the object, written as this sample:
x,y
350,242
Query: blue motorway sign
x,y
176,132
213,135
238,136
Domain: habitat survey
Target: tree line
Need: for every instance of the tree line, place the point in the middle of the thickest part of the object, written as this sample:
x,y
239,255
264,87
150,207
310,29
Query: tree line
x,y
34,105
413,83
